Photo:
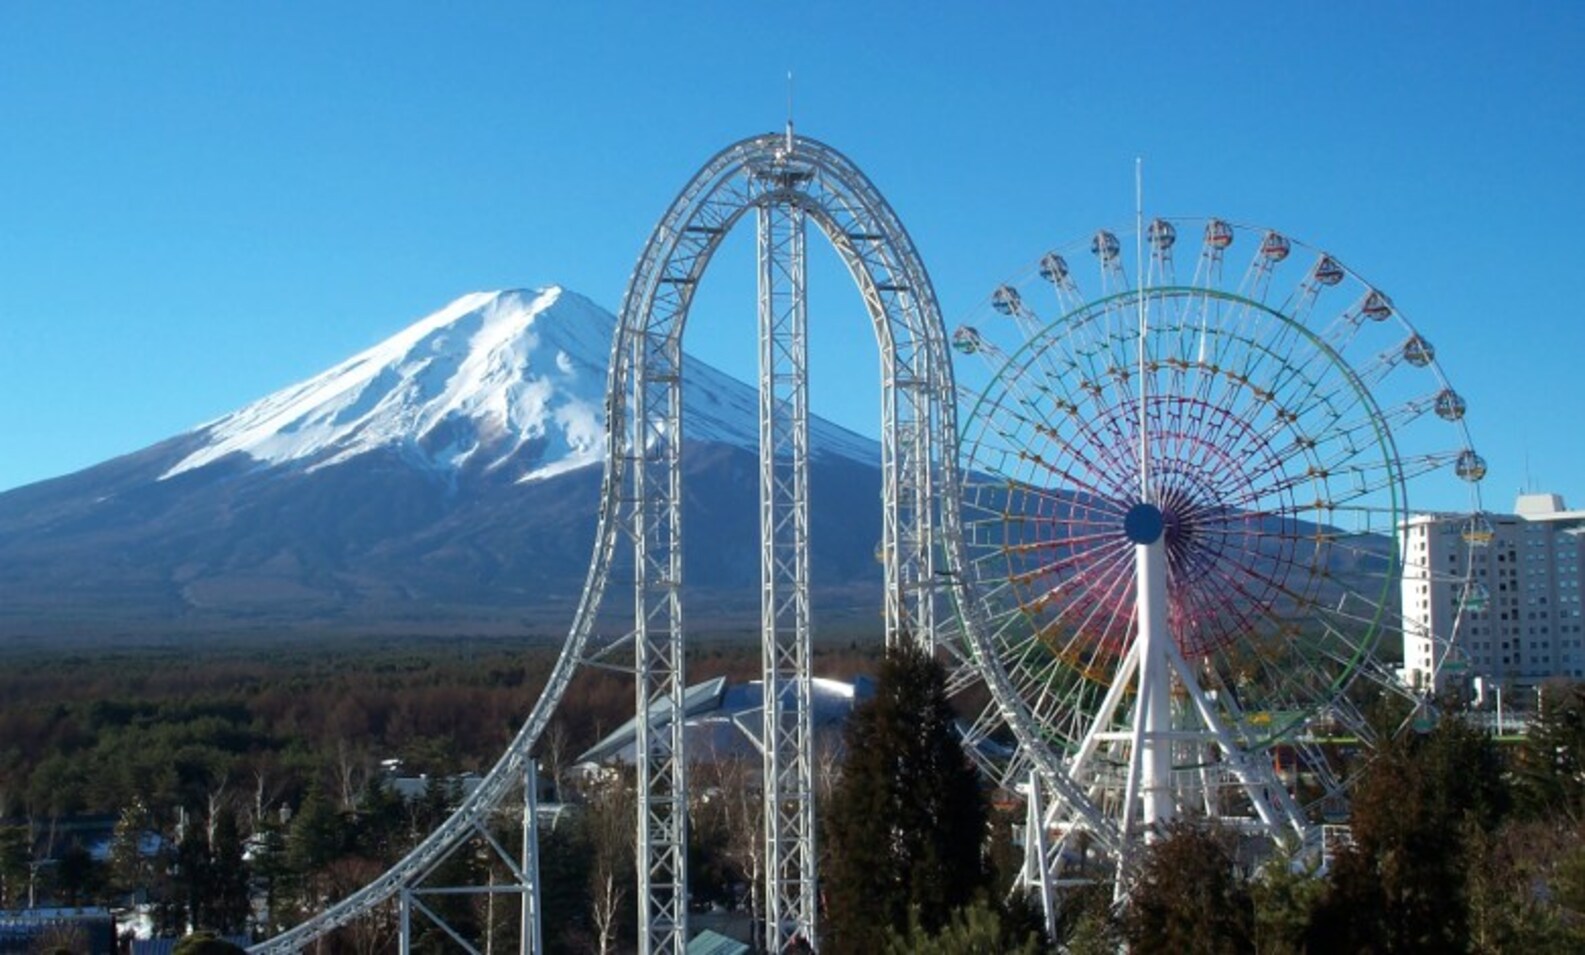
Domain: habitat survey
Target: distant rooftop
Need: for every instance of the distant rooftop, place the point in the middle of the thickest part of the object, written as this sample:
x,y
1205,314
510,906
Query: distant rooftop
x,y
1545,507
712,943
722,719
1539,504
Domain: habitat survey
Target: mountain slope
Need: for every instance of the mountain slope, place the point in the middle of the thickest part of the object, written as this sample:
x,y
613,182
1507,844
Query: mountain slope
x,y
445,480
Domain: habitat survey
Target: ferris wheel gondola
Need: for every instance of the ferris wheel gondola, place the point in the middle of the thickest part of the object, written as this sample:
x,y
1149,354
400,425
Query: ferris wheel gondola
x,y
1257,432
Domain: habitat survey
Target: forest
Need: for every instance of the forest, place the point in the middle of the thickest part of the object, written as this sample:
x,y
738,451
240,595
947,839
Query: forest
x,y
273,763
241,788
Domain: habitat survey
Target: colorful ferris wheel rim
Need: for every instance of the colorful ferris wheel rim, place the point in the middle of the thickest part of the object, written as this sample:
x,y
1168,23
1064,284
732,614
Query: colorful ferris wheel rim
x,y
1283,412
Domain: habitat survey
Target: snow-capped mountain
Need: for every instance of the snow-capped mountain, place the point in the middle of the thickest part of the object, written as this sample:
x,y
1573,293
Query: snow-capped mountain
x,y
445,479
493,380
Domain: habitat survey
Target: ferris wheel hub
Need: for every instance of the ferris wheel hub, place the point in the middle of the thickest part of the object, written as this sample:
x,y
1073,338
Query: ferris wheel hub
x,y
1144,523
1180,529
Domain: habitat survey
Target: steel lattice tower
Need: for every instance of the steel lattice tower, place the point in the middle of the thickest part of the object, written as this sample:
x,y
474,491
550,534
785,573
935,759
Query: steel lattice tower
x,y
787,182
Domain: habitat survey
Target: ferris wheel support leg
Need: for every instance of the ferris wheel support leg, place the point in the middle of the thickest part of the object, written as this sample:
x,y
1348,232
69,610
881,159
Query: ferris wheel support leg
x,y
1104,715
1155,685
1040,868
1271,801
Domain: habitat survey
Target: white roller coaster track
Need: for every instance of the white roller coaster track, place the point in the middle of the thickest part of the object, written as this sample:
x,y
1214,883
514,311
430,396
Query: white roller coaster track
x,y
787,178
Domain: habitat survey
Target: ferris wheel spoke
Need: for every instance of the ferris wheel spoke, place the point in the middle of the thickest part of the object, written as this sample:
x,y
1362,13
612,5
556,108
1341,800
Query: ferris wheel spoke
x,y
1206,607
1069,542
1116,469
1033,416
1100,600
1283,413
1097,582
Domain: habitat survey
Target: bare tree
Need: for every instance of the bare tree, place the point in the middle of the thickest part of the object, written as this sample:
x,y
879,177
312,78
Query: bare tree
x,y
553,752
738,798
352,773
608,816
377,930
265,795
216,801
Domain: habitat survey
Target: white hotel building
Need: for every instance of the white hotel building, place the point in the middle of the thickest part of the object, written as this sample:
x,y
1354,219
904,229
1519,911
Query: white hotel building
x,y
1518,621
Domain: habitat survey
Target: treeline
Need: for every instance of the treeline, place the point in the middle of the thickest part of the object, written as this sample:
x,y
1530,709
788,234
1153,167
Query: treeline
x,y
244,780
90,733
1454,844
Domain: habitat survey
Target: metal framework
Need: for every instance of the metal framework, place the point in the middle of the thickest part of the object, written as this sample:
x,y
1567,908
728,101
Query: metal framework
x,y
1181,514
787,735
788,181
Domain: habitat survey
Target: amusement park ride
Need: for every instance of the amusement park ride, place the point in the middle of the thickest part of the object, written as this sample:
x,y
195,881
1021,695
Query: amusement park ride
x,y
1163,541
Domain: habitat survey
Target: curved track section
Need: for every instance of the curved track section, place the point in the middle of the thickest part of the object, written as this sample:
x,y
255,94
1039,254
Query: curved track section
x,y
641,503
1184,516
785,179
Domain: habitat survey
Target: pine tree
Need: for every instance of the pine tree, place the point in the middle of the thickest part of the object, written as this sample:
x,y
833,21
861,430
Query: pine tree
x,y
907,823
1403,885
1187,898
317,834
129,868
1550,766
205,943
75,873
976,929
229,871
16,851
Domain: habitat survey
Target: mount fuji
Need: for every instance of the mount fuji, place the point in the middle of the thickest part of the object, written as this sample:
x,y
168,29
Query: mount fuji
x,y
445,481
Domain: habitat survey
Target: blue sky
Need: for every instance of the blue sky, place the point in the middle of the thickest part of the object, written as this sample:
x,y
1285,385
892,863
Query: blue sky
x,y
201,203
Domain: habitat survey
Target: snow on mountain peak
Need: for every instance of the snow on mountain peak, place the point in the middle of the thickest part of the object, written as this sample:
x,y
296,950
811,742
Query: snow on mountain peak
x,y
494,379
474,383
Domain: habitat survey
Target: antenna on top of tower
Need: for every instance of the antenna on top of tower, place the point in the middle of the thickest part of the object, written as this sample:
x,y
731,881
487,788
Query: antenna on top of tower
x,y
1139,283
789,110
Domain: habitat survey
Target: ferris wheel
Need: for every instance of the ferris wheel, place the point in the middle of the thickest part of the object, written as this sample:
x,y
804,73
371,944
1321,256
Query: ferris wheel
x,y
1185,486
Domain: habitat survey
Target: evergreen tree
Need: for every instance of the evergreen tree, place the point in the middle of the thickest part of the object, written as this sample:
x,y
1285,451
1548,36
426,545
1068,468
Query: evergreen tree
x,y
16,851
1086,924
1403,885
564,862
205,943
130,870
190,877
1187,899
228,873
269,865
381,831
907,823
1550,770
976,929
75,874
1286,898
317,834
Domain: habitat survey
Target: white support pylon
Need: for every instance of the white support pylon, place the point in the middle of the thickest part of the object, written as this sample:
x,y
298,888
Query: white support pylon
x,y
788,739
531,941
1040,869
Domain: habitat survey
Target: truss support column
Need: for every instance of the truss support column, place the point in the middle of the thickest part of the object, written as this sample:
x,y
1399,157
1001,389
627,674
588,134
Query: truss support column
x,y
531,942
790,892
662,786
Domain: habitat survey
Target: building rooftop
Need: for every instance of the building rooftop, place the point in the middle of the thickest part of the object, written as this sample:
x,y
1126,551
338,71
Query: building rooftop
x,y
722,719
1545,507
712,943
